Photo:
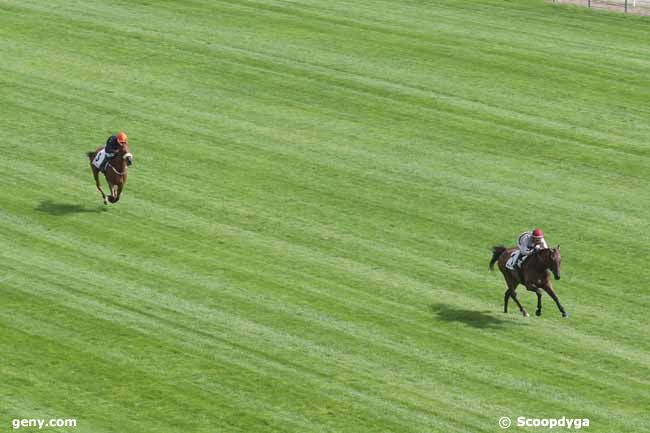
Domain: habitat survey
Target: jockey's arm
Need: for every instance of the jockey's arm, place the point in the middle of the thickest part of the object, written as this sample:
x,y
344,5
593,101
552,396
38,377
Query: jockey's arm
x,y
524,245
112,145
539,247
112,148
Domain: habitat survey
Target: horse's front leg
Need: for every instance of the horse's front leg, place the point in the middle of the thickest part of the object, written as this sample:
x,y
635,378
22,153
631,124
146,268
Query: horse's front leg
x,y
548,288
538,292
112,187
117,192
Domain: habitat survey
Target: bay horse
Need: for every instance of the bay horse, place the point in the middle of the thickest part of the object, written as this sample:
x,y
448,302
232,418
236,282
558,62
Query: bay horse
x,y
115,172
533,275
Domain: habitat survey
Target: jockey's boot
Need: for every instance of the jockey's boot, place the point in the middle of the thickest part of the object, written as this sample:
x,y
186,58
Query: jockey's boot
x,y
512,261
520,260
519,267
102,166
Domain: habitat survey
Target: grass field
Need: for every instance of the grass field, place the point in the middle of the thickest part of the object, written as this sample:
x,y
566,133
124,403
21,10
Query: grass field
x,y
303,242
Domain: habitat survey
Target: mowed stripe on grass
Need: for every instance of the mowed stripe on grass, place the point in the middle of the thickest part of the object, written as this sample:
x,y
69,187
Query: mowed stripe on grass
x,y
304,238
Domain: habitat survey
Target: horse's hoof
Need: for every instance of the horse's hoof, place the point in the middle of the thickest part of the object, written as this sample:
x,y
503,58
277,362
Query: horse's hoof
x,y
526,314
111,199
565,315
105,200
538,312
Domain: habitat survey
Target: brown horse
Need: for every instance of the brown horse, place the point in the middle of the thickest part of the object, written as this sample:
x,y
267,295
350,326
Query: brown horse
x,y
116,172
533,275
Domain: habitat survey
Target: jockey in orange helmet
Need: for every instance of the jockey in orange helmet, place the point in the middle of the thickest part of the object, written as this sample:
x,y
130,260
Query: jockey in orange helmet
x,y
113,145
527,243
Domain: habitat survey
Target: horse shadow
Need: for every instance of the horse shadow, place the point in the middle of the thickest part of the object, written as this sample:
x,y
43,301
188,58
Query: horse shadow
x,y
61,209
473,318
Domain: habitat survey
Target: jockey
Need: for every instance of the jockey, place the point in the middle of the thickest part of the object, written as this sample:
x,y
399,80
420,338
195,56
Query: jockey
x,y
113,145
527,243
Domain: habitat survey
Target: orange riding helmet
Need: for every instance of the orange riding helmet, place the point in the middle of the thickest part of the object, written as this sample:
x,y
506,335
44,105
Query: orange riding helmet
x,y
122,138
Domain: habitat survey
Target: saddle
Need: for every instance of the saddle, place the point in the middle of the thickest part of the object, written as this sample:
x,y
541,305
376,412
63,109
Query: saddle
x,y
513,262
101,160
516,263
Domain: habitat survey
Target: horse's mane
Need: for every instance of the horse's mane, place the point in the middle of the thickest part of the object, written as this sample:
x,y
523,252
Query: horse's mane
x,y
541,257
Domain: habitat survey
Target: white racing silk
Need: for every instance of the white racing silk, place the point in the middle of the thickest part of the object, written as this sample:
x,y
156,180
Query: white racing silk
x,y
526,244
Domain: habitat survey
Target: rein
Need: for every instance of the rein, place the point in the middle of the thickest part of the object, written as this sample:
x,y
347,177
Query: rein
x,y
115,170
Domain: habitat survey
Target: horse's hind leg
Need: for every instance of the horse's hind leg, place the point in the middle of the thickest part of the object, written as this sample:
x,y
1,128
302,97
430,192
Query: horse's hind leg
x,y
549,289
99,187
513,294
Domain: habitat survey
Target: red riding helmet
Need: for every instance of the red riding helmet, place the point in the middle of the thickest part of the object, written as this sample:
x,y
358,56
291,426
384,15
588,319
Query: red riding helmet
x,y
121,138
538,233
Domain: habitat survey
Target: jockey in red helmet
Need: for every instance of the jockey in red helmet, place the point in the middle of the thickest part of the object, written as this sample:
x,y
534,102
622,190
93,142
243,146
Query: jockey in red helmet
x,y
113,145
527,243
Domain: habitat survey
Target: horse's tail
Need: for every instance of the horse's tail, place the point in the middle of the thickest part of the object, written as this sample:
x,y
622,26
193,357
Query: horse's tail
x,y
90,155
496,253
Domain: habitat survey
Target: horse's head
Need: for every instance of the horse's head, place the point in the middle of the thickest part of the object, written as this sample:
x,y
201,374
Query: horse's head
x,y
550,258
555,261
124,154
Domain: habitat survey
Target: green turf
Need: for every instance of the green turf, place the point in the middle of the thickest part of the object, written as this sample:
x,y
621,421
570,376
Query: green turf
x,y
303,242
